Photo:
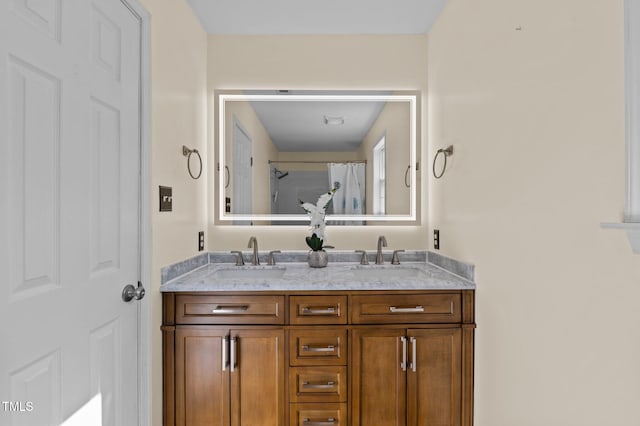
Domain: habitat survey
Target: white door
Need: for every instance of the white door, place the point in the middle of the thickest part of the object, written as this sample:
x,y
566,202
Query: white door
x,y
242,201
69,215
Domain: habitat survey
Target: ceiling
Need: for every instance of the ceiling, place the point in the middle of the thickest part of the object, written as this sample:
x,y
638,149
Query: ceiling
x,y
300,126
262,17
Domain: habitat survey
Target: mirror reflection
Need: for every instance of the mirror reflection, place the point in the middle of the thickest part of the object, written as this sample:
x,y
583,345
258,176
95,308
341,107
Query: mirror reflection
x,y
282,147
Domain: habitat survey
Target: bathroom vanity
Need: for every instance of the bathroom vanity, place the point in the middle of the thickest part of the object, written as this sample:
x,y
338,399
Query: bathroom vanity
x,y
343,345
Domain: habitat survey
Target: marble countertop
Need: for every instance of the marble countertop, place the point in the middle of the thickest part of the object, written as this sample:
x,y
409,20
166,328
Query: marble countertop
x,y
298,276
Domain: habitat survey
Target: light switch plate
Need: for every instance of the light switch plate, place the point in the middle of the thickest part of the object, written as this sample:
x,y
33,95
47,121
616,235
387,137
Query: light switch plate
x,y
166,199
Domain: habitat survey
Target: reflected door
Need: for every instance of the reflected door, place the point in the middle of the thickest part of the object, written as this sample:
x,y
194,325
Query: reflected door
x,y
69,178
241,203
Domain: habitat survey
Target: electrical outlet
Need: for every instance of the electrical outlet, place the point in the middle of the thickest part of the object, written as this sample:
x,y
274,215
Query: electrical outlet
x,y
436,239
200,240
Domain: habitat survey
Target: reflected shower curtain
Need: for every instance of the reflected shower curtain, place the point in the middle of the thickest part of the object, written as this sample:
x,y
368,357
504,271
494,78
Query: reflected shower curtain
x,y
349,178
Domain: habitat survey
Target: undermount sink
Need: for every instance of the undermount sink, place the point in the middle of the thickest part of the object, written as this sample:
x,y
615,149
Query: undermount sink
x,y
250,272
390,272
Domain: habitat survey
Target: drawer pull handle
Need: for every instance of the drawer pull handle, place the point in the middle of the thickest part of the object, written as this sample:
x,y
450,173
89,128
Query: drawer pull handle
x,y
319,311
221,309
396,310
225,348
329,422
414,358
328,385
233,361
328,348
403,361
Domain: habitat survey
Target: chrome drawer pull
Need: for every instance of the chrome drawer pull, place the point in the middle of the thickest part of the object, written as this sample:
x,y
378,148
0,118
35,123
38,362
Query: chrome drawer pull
x,y
328,385
233,362
403,361
329,348
397,310
414,358
221,309
319,311
329,422
225,361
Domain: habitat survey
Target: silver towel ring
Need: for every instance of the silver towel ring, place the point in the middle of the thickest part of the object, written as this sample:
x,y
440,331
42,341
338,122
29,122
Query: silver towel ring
x,y
446,152
187,153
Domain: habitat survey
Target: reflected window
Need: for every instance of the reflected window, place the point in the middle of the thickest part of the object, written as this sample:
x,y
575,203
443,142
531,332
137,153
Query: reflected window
x,y
379,176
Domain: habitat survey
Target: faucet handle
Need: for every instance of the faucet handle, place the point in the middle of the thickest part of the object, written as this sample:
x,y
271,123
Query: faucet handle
x,y
363,259
395,259
239,258
272,259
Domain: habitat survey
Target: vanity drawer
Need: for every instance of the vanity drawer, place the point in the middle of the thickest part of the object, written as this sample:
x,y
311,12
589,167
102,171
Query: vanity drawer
x,y
330,309
318,384
406,308
193,309
318,414
318,347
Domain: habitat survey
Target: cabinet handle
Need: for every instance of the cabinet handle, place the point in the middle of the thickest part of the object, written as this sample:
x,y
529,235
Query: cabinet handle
x,y
328,348
234,354
329,422
397,310
318,311
414,358
225,360
230,309
328,385
403,360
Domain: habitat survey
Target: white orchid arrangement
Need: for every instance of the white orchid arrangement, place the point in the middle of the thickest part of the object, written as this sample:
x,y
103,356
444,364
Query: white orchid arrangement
x,y
316,215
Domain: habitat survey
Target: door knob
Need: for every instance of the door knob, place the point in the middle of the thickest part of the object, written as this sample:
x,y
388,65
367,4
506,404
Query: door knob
x,y
130,292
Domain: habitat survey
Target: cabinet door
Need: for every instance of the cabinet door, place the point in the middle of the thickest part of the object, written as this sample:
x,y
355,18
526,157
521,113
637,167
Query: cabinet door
x,y
434,377
378,381
257,380
202,384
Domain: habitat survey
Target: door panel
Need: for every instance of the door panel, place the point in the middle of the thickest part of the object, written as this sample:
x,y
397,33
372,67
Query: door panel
x,y
202,386
242,182
434,389
378,383
257,382
69,240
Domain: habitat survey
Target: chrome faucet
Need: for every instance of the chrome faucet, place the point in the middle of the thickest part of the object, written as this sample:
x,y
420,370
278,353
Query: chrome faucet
x,y
239,259
363,259
272,259
253,242
382,242
395,259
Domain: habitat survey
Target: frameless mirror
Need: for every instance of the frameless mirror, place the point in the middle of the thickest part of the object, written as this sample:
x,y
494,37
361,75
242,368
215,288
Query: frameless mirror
x,y
276,148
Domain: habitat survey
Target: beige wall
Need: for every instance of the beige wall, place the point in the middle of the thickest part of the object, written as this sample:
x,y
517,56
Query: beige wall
x,y
178,103
393,123
318,62
536,119
262,147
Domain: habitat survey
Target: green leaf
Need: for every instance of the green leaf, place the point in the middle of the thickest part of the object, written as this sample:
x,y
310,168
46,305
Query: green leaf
x,y
314,242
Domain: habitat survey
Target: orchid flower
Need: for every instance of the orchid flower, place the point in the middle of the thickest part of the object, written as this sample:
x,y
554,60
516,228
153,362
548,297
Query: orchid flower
x,y
316,215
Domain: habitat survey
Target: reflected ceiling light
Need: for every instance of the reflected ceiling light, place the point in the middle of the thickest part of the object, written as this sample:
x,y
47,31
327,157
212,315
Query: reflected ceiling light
x,y
333,121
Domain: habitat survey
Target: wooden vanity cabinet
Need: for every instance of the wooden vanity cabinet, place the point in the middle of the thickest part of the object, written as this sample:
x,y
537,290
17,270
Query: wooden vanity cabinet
x,y
224,373
406,376
212,391
356,358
